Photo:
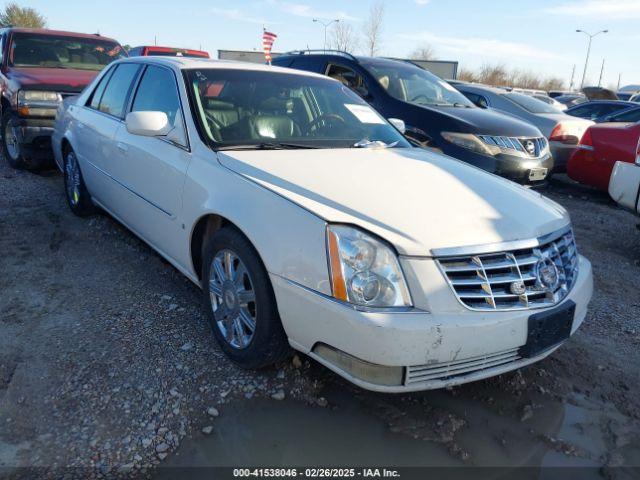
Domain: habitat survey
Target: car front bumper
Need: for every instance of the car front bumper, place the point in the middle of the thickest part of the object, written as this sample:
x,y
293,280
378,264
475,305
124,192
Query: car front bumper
x,y
624,185
34,134
449,342
518,169
513,167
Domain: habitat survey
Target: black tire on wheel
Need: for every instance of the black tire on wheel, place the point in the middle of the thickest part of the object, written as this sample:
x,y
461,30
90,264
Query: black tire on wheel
x,y
76,192
12,151
268,343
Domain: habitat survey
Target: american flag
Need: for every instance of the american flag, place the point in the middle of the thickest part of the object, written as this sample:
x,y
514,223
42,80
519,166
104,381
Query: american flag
x,y
267,42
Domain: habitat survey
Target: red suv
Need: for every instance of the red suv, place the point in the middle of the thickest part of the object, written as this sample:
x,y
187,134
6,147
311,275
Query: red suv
x,y
38,69
166,52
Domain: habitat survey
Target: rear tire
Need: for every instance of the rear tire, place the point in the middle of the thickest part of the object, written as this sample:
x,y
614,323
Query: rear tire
x,y
76,192
240,302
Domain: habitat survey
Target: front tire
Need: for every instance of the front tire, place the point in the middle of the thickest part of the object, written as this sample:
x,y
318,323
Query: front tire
x,y
240,301
76,192
11,148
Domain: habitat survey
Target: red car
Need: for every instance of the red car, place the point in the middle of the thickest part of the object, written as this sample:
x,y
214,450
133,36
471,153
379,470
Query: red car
x,y
167,52
603,145
38,69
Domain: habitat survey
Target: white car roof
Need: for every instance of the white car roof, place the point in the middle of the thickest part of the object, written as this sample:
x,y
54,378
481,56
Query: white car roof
x,y
183,63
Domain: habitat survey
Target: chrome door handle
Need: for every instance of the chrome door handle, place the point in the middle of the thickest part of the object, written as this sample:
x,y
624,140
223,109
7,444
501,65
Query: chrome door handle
x,y
122,146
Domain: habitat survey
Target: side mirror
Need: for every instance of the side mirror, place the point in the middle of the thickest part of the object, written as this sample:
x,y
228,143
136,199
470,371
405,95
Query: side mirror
x,y
148,124
399,124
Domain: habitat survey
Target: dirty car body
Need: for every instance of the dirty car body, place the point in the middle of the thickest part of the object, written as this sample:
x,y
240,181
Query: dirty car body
x,y
398,268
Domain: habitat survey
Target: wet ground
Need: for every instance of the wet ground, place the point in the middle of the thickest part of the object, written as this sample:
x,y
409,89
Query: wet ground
x,y
107,366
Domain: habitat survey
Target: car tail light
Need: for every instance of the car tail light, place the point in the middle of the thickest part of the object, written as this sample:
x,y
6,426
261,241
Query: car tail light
x,y
638,153
586,143
567,132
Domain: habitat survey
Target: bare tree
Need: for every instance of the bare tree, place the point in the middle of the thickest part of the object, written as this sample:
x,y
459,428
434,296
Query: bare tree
x,y
499,75
17,16
343,37
372,29
423,52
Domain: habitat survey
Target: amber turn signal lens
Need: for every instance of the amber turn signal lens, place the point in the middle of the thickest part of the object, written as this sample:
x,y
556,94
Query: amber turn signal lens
x,y
337,279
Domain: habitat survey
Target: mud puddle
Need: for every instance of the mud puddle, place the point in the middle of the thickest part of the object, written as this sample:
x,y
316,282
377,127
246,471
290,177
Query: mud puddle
x,y
430,429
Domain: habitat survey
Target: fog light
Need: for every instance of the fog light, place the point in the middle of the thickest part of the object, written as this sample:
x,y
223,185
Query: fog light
x,y
368,372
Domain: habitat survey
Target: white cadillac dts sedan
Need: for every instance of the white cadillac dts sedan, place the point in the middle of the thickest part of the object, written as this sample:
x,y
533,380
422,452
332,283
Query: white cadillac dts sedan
x,y
310,222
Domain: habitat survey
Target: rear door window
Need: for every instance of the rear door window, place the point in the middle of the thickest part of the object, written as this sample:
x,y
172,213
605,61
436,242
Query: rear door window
x,y
96,96
114,98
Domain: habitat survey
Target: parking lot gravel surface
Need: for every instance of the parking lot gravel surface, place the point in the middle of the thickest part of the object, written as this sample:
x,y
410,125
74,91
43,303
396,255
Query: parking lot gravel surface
x,y
108,367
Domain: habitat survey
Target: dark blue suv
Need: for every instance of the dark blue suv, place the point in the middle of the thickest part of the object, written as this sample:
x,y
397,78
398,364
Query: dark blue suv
x,y
436,115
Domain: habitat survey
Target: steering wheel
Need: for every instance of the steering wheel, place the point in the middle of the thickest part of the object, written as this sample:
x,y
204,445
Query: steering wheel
x,y
420,95
327,118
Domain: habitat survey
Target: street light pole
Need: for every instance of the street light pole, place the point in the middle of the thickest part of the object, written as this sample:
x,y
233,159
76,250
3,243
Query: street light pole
x,y
325,25
586,61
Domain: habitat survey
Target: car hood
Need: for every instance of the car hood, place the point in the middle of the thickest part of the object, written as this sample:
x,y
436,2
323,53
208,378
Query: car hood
x,y
59,79
415,199
486,122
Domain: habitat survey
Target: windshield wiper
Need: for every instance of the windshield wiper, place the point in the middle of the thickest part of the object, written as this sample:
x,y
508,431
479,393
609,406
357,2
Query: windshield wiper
x,y
267,146
364,143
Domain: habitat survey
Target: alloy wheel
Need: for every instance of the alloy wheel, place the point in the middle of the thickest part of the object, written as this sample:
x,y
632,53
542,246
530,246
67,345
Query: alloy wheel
x,y
233,299
72,174
11,141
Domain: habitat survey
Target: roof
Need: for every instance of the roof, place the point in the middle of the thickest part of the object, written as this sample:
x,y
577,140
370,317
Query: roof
x,y
59,33
170,49
481,87
184,63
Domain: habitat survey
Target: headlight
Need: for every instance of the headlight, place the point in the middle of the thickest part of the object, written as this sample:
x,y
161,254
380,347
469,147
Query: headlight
x,y
470,142
38,103
364,270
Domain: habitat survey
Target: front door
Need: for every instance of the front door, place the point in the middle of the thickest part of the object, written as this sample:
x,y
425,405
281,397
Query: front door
x,y
152,169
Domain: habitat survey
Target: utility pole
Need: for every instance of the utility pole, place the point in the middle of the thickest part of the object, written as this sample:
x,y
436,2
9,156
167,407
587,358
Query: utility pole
x,y
573,73
601,70
325,25
619,77
586,61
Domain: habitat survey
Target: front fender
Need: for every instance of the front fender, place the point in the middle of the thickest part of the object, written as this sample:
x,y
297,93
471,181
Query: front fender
x,y
289,239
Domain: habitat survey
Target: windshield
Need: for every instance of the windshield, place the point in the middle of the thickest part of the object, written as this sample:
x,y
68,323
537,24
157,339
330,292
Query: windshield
x,y
412,84
50,51
530,104
254,108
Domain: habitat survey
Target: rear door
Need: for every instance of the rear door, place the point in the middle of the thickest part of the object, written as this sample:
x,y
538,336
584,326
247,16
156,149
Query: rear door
x,y
151,170
97,123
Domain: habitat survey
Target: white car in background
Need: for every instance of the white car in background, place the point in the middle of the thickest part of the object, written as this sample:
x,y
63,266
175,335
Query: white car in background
x,y
624,184
310,222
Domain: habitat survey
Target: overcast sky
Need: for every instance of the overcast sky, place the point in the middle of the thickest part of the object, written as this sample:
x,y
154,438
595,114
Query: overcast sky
x,y
536,35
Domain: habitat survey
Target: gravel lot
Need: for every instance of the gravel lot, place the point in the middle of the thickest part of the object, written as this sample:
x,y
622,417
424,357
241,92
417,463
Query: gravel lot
x,y
107,362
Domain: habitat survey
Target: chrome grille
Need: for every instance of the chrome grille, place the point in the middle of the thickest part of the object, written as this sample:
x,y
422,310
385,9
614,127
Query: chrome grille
x,y
517,144
456,368
511,280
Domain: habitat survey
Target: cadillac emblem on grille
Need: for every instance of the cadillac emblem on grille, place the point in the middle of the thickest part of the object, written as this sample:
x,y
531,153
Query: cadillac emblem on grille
x,y
547,274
